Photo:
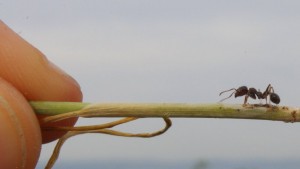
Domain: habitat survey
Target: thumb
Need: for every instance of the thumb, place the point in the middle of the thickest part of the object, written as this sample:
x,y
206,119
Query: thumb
x,y
20,136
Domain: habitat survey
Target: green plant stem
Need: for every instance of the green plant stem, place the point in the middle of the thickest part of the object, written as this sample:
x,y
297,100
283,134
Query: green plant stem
x,y
179,110
55,108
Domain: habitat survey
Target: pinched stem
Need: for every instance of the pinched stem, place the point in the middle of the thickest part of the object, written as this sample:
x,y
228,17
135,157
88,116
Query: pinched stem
x,y
132,111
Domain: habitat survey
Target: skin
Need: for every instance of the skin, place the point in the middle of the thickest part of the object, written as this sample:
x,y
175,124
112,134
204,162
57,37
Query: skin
x,y
26,74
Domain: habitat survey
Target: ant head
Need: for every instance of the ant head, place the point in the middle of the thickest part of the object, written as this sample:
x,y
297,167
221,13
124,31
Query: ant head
x,y
275,98
241,91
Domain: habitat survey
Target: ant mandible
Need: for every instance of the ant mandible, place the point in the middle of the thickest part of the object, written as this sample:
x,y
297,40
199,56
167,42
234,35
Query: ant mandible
x,y
252,92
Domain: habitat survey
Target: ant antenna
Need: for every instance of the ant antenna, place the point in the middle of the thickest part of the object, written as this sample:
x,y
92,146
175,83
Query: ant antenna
x,y
228,96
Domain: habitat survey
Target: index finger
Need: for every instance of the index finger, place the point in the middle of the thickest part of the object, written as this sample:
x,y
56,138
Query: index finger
x,y
28,70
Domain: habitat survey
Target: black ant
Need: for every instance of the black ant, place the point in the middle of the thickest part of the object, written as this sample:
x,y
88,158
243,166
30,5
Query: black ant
x,y
252,92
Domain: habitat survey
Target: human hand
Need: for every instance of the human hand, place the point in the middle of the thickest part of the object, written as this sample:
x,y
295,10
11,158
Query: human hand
x,y
26,75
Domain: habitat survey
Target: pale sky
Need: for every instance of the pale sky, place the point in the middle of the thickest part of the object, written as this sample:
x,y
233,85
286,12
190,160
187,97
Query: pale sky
x,y
171,51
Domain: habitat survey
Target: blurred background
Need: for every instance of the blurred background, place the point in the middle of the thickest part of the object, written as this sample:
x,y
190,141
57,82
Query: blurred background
x,y
171,51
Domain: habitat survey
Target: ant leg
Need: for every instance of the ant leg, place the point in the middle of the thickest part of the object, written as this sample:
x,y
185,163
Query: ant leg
x,y
267,91
266,100
245,100
268,104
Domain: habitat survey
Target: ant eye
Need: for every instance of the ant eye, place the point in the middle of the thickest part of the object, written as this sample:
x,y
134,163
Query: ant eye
x,y
274,98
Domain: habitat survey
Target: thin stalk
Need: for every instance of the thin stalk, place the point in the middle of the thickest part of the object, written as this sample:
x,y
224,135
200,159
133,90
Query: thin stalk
x,y
61,110
131,111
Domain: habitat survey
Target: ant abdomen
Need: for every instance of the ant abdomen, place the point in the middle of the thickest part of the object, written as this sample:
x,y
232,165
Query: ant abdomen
x,y
275,98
